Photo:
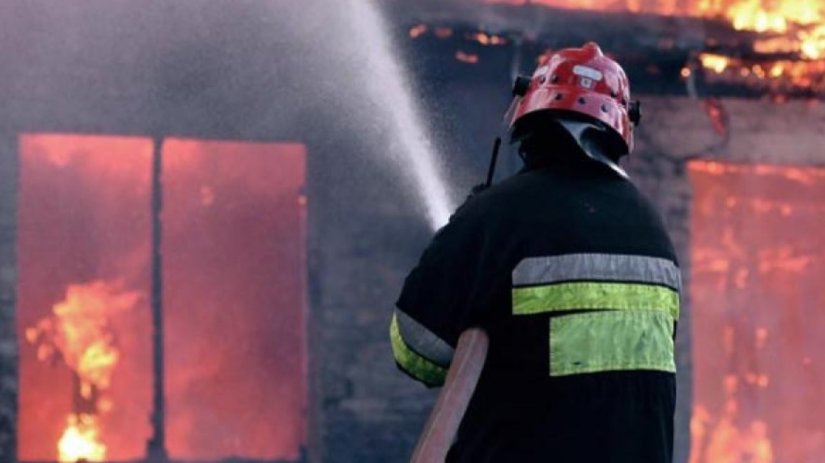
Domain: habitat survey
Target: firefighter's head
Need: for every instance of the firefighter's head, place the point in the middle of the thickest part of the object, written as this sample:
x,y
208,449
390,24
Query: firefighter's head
x,y
581,93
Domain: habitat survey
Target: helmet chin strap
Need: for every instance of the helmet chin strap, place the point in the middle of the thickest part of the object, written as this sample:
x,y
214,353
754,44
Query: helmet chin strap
x,y
582,133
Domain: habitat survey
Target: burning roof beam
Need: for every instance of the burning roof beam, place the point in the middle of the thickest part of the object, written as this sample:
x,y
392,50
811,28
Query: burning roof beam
x,y
661,54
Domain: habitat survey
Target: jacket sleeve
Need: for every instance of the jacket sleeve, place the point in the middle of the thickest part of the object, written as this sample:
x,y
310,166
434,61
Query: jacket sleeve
x,y
452,288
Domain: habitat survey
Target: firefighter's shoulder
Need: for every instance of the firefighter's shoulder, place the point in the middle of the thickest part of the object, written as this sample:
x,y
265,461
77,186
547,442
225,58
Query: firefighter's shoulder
x,y
497,199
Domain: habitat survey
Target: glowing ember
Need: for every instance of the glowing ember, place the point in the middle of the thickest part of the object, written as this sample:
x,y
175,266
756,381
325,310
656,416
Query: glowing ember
x,y
716,63
469,58
718,116
443,32
487,39
418,31
79,334
81,440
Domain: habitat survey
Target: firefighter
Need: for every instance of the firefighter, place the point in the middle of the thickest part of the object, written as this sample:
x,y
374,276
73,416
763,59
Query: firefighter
x,y
570,272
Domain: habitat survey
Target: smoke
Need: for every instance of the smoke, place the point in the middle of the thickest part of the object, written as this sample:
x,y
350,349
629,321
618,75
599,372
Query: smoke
x,y
268,70
390,93
360,79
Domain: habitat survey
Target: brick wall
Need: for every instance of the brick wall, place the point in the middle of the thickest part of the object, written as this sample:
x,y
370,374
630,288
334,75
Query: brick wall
x,y
8,283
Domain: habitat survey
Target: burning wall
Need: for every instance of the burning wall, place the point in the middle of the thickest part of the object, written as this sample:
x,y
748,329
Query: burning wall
x,y
234,298
804,19
734,47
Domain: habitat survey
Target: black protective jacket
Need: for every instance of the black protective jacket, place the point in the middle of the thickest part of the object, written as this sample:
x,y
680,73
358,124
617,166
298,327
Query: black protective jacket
x,y
570,271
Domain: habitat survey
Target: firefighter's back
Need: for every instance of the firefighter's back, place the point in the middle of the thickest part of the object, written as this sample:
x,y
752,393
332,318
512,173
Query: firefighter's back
x,y
581,364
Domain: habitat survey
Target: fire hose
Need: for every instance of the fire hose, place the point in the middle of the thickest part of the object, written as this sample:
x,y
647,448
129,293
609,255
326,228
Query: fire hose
x,y
462,378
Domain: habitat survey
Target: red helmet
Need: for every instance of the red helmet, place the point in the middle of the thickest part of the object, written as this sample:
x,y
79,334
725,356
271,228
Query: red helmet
x,y
579,82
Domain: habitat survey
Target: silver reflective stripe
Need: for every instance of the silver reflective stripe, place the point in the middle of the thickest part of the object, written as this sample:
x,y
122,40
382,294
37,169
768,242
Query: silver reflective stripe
x,y
597,267
423,341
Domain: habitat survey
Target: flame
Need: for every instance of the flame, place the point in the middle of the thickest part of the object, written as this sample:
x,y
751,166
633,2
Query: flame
x,y
728,438
81,440
774,16
759,15
78,332
793,27
722,440
802,19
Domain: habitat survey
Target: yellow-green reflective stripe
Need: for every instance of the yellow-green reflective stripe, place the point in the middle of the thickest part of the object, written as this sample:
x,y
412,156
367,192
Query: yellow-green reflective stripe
x,y
611,341
416,365
592,295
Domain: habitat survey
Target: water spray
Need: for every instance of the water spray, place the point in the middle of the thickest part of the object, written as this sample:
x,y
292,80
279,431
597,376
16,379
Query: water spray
x,y
385,81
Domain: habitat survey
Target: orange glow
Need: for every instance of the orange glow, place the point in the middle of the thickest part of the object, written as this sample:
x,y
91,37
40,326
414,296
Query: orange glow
x,y
757,265
236,259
